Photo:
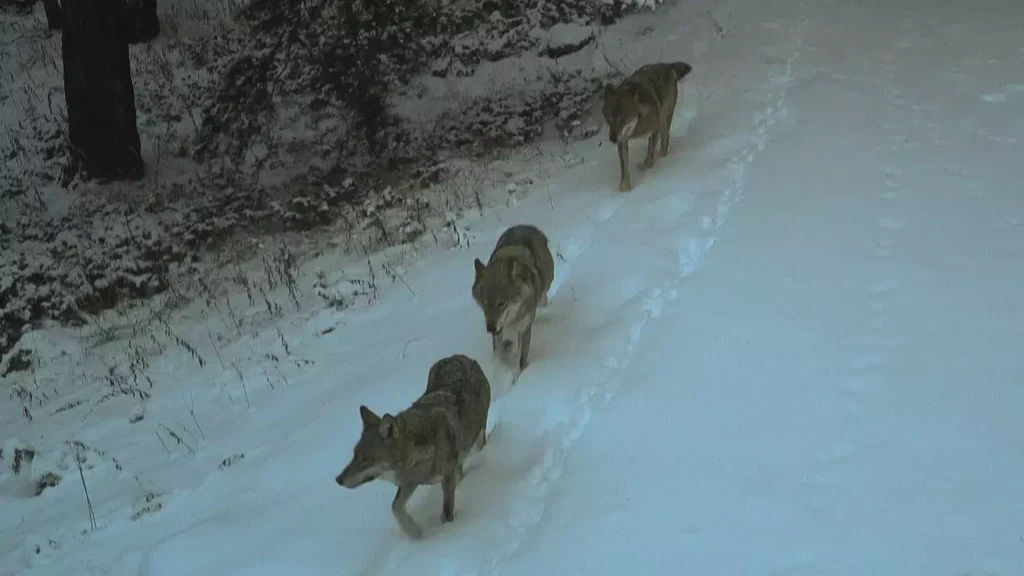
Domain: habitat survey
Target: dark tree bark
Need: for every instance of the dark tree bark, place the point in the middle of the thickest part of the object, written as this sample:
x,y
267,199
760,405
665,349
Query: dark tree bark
x,y
53,16
99,92
141,21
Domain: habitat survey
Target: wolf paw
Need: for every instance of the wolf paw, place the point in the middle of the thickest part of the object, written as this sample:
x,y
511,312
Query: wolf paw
x,y
414,532
447,517
625,186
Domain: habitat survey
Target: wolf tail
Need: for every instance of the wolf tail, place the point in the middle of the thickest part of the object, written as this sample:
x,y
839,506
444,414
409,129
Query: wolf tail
x,y
681,69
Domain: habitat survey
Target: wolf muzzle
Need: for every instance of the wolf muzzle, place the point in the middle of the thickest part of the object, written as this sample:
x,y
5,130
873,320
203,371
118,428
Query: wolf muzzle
x,y
346,482
492,327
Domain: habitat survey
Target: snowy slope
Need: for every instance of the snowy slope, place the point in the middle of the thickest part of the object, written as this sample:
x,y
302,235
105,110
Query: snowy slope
x,y
793,348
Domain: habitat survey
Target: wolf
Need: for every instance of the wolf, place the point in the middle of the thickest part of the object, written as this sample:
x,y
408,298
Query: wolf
x,y
642,105
510,288
426,443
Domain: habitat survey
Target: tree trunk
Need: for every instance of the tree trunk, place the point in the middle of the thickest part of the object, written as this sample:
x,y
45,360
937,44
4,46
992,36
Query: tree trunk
x,y
141,21
98,90
53,15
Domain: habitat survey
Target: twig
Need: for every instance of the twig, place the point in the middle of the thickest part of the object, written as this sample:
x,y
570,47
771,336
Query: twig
x,y
267,376
192,412
238,370
189,432
157,432
400,277
209,334
177,438
405,348
88,500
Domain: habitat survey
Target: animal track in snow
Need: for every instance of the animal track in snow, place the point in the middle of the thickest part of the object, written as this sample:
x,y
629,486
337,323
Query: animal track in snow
x,y
654,303
866,361
573,248
578,243
689,256
837,453
883,248
891,223
606,209
884,287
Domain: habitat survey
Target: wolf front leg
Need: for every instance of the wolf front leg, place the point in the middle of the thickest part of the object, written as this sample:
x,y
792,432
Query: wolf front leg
x,y
448,484
460,473
505,348
624,184
405,521
524,347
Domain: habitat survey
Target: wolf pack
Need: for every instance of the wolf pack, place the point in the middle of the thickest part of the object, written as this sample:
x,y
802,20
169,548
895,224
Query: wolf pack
x,y
430,442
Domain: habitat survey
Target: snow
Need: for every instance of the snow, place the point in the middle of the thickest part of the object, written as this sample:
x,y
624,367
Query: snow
x,y
562,37
792,348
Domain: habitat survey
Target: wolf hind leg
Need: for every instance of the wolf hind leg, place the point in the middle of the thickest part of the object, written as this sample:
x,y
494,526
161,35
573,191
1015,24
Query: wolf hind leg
x,y
665,130
652,146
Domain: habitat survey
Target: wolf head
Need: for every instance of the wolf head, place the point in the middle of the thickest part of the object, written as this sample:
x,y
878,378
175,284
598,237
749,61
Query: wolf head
x,y
502,291
621,110
378,451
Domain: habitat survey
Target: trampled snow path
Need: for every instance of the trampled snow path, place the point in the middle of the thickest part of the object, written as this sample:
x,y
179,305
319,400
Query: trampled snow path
x,y
653,240
833,396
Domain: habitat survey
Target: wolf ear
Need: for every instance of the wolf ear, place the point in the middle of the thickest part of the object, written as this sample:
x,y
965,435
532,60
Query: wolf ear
x,y
388,427
479,267
370,419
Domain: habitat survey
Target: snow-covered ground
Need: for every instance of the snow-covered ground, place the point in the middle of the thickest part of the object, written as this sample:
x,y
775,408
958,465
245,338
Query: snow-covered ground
x,y
793,348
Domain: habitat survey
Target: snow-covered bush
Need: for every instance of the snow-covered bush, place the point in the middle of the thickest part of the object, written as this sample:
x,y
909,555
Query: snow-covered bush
x,y
283,123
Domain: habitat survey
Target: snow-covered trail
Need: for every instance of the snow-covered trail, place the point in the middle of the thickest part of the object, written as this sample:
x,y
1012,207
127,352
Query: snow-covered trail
x,y
791,349
839,391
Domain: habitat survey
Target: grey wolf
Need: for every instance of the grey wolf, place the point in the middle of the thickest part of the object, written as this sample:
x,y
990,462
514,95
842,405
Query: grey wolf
x,y
426,443
509,289
642,105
